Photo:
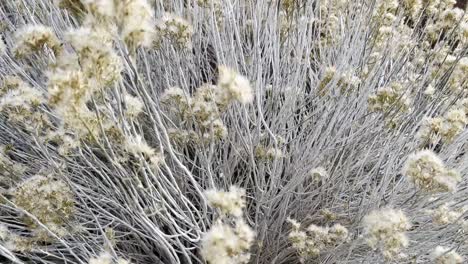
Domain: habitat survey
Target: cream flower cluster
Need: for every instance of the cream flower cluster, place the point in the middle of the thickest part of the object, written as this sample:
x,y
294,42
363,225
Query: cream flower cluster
x,y
233,86
205,107
224,243
413,7
21,104
75,7
99,61
446,17
100,9
444,215
137,23
446,128
136,146
385,229
176,29
310,242
202,108
329,19
264,153
229,203
33,38
443,255
133,105
385,7
346,81
389,97
133,20
427,171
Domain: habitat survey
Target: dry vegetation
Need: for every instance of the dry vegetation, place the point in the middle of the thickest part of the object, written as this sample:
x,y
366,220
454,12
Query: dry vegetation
x,y
233,131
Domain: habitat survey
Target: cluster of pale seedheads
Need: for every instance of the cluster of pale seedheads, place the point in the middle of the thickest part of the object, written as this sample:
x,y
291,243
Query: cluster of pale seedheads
x,y
233,131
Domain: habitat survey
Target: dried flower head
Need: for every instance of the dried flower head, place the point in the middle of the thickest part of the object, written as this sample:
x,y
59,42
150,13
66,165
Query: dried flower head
x,y
226,245
390,97
233,86
175,29
137,23
427,171
229,203
50,201
134,106
311,241
33,38
443,255
385,230
444,215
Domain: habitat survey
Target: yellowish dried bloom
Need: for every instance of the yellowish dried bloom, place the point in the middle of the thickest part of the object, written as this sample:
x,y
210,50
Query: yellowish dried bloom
x,y
102,9
21,105
137,23
68,88
391,97
268,154
23,96
314,239
98,60
66,143
76,7
443,255
33,38
10,171
443,215
176,29
446,128
204,111
229,203
451,17
385,229
428,172
463,32
226,245
328,75
413,7
223,243
50,201
214,130
174,94
183,137
103,258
